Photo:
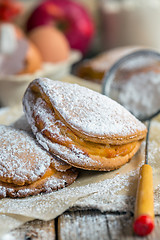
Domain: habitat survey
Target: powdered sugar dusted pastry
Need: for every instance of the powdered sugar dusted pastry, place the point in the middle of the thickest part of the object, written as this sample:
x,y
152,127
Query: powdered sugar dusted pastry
x,y
52,180
56,162
94,69
82,127
26,168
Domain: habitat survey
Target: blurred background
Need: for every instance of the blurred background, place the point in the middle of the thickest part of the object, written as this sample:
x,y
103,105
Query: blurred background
x,y
117,22
54,38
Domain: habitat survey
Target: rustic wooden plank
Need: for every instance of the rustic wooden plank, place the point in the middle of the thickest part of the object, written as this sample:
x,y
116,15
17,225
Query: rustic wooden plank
x,y
116,228
84,225
156,233
34,230
94,225
127,231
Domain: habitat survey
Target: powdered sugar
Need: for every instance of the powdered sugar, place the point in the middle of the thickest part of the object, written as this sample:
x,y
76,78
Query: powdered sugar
x,y
22,160
138,63
89,111
51,184
56,162
75,156
101,194
39,108
48,128
103,191
141,94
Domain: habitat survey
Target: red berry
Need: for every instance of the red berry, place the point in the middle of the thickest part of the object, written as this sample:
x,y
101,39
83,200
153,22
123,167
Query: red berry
x,y
143,225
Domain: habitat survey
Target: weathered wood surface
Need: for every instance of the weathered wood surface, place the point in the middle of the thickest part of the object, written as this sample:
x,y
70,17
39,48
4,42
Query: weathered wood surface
x,y
34,230
83,225
97,226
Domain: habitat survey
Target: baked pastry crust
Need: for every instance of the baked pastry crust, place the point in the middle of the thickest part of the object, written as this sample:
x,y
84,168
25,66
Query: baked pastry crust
x,y
94,69
22,161
82,127
51,181
22,124
26,168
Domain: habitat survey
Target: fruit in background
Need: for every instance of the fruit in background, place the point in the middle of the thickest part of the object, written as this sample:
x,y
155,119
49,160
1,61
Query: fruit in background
x,y
9,10
69,16
9,32
51,43
17,54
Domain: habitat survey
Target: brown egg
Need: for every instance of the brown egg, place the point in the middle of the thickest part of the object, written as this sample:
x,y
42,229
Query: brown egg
x,y
23,58
33,59
18,31
51,43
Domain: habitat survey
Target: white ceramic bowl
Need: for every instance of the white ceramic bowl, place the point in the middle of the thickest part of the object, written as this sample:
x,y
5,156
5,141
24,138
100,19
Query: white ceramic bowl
x,y
12,87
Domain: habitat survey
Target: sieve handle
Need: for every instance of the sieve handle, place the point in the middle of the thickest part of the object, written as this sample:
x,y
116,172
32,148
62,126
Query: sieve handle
x,y
144,208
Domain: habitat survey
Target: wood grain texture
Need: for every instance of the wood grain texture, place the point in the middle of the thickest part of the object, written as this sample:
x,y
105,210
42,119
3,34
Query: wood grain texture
x,y
85,225
34,230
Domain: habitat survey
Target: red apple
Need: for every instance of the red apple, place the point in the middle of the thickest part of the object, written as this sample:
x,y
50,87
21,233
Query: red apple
x,y
67,15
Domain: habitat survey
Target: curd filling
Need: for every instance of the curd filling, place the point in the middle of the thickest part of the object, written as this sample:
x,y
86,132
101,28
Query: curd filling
x,y
69,139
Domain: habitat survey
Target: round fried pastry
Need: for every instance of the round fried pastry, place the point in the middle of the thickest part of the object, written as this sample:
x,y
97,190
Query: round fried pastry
x,y
82,127
51,181
56,162
22,159
90,115
98,163
80,159
61,141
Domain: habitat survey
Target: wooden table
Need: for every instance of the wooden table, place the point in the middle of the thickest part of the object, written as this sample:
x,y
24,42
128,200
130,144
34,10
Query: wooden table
x,y
83,225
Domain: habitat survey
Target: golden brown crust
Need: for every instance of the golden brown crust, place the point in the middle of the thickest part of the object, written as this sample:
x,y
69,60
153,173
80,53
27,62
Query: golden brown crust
x,y
22,159
37,89
85,71
26,168
113,140
94,69
105,164
73,145
51,181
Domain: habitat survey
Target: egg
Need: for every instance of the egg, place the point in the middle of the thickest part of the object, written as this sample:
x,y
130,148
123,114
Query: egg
x,y
51,43
18,31
18,55
25,59
33,59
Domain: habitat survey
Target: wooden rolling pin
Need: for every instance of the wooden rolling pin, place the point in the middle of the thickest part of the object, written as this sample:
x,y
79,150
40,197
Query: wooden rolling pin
x,y
144,208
